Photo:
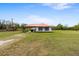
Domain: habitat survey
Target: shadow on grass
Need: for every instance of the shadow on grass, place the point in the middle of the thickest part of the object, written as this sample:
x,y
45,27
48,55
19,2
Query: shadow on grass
x,y
42,32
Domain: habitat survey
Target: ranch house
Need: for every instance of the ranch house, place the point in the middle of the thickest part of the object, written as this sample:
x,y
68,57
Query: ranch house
x,y
39,27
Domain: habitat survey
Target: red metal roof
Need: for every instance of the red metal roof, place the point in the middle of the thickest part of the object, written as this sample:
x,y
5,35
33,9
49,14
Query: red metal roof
x,y
37,25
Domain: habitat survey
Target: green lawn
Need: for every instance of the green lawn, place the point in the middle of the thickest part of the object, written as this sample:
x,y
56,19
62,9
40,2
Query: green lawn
x,y
54,43
7,34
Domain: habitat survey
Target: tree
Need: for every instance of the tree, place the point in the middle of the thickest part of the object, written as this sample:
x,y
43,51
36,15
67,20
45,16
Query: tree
x,y
8,25
17,26
23,26
65,27
53,27
76,27
59,27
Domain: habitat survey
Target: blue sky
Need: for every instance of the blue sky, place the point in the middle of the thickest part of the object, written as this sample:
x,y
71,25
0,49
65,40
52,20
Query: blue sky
x,y
30,13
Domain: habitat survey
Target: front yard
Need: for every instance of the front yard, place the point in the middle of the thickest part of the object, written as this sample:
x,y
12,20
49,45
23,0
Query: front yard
x,y
54,43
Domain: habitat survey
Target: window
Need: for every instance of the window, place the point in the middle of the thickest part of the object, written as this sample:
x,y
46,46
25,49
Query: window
x,y
40,28
46,28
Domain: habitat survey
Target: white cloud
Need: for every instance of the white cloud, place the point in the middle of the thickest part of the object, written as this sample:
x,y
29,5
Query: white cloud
x,y
58,6
39,19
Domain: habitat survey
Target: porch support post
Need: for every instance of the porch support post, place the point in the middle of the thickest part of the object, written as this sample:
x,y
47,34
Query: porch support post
x,y
36,28
43,29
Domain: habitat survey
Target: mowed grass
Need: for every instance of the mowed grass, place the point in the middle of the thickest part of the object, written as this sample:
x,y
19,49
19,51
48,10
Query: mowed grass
x,y
7,34
56,43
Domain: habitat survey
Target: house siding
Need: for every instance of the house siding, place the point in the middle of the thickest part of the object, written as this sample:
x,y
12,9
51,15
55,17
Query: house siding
x,y
43,29
37,29
50,29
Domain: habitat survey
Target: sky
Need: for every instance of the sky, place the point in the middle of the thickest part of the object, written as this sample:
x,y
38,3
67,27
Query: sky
x,y
36,13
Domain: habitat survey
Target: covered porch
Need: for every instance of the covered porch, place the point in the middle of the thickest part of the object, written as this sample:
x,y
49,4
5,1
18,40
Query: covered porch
x,y
40,28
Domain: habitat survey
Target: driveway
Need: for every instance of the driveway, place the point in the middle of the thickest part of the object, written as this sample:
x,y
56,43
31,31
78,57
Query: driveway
x,y
11,39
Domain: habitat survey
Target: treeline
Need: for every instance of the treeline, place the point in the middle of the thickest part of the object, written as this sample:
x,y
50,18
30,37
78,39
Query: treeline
x,y
6,25
9,25
62,27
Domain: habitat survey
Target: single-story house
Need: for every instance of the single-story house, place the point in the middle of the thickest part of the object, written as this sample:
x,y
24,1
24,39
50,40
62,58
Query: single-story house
x,y
39,27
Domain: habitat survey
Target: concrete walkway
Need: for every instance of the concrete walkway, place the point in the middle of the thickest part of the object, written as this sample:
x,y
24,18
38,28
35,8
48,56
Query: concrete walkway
x,y
11,39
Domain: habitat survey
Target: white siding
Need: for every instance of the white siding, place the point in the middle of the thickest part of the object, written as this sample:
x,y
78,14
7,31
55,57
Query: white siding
x,y
37,29
43,29
50,29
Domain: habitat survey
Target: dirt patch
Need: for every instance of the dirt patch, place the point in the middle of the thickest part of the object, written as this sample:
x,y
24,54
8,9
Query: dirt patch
x,y
11,40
